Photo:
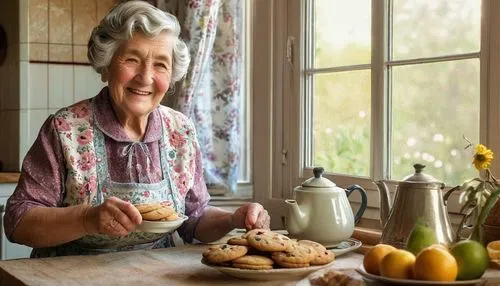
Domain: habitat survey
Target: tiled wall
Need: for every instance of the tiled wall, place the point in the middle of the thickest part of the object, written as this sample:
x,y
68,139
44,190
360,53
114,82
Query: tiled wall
x,y
59,29
51,87
52,67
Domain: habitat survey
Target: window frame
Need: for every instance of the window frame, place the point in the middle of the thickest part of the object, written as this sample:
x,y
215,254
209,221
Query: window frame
x,y
291,130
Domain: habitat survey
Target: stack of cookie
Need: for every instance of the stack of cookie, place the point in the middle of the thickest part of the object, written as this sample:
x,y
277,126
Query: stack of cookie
x,y
264,249
157,212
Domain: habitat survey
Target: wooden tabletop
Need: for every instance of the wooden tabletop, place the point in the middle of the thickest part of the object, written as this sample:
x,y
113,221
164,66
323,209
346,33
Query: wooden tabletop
x,y
172,266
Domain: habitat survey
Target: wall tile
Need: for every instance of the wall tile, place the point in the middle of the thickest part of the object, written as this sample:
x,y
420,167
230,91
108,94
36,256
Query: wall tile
x,y
36,119
38,78
38,21
60,53
38,52
103,7
23,20
53,111
80,54
24,85
84,20
24,130
60,85
60,13
24,52
87,83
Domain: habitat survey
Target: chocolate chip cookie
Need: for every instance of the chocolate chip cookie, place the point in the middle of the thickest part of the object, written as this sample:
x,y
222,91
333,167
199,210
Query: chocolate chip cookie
x,y
266,240
255,262
299,255
237,240
224,252
323,256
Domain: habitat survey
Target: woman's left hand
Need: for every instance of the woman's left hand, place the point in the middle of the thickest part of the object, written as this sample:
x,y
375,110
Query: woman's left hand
x,y
250,216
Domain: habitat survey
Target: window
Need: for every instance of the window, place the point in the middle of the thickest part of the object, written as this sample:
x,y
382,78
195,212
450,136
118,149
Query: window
x,y
360,86
429,79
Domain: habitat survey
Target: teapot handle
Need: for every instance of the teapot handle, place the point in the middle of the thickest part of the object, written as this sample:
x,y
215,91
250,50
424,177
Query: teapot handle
x,y
448,193
364,200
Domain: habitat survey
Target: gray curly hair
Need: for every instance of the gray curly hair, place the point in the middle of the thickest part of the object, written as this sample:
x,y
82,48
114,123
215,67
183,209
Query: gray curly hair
x,y
120,24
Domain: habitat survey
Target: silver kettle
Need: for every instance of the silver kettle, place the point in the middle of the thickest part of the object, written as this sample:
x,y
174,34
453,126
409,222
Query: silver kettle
x,y
419,197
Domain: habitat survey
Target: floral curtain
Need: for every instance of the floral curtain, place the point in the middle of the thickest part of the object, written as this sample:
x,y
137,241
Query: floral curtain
x,y
210,92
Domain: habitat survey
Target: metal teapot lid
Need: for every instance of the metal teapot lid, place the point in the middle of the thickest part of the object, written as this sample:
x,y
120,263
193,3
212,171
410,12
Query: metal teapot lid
x,y
420,178
318,181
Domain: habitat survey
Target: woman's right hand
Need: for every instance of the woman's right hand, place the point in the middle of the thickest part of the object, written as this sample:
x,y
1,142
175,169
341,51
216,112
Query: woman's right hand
x,y
114,217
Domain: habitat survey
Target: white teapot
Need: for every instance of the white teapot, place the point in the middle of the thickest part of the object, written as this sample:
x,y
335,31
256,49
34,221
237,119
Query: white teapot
x,y
321,211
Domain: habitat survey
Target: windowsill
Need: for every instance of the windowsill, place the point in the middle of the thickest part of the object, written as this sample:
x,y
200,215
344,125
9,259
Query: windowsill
x,y
244,191
367,231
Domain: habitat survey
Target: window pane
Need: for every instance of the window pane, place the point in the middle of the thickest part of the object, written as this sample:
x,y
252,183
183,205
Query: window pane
x,y
433,106
430,28
342,32
341,122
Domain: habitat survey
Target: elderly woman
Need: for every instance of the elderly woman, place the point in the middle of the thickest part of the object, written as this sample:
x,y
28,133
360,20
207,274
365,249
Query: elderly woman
x,y
93,161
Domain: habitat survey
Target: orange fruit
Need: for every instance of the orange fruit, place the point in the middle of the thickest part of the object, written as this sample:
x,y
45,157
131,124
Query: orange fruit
x,y
444,247
374,256
493,249
435,264
472,259
398,264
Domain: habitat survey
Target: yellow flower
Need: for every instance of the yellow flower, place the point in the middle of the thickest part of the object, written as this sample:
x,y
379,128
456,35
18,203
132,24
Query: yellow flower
x,y
482,158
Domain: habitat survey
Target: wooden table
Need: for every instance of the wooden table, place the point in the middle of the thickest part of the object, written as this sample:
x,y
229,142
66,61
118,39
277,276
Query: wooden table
x,y
172,266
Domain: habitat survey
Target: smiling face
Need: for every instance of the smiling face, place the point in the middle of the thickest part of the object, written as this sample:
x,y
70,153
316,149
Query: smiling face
x,y
139,74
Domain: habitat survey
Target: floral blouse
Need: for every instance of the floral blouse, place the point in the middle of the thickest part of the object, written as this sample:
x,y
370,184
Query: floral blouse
x,y
44,172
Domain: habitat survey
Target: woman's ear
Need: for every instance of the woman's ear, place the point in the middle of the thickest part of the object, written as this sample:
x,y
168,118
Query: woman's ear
x,y
104,75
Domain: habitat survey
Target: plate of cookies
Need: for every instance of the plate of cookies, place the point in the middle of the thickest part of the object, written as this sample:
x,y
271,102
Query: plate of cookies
x,y
262,254
159,218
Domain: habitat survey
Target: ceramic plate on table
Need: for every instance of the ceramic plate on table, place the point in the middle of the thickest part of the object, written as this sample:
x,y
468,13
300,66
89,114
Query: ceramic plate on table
x,y
391,281
160,226
266,275
345,246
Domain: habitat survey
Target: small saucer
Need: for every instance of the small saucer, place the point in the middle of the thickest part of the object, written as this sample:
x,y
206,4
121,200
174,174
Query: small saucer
x,y
344,246
160,226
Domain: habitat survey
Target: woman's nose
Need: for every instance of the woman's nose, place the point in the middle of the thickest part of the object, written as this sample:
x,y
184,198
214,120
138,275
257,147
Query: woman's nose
x,y
145,74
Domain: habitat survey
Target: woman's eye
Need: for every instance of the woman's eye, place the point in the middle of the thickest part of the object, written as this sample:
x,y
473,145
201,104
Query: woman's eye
x,y
132,60
161,65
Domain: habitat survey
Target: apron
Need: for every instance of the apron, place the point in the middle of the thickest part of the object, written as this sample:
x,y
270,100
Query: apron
x,y
135,193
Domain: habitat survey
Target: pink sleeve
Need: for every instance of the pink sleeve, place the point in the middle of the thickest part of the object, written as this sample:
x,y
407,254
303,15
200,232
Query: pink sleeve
x,y
41,182
197,200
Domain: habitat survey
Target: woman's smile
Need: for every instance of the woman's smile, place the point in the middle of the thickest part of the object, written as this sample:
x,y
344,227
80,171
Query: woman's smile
x,y
134,91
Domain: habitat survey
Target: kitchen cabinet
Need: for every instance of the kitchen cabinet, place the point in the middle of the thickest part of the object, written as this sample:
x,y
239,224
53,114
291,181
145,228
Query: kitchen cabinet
x,y
9,250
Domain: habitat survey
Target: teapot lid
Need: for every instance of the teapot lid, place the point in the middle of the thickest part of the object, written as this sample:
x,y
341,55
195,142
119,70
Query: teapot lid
x,y
420,177
318,181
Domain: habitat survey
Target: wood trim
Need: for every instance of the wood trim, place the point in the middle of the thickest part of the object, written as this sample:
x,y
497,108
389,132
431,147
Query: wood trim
x,y
261,39
379,105
59,63
490,73
9,178
294,87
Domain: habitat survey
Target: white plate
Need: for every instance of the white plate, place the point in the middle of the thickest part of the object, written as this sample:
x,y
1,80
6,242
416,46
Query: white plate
x,y
345,246
160,226
271,274
384,280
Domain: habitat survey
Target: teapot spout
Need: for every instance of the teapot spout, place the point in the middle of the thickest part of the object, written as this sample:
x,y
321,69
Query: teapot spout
x,y
385,202
296,218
